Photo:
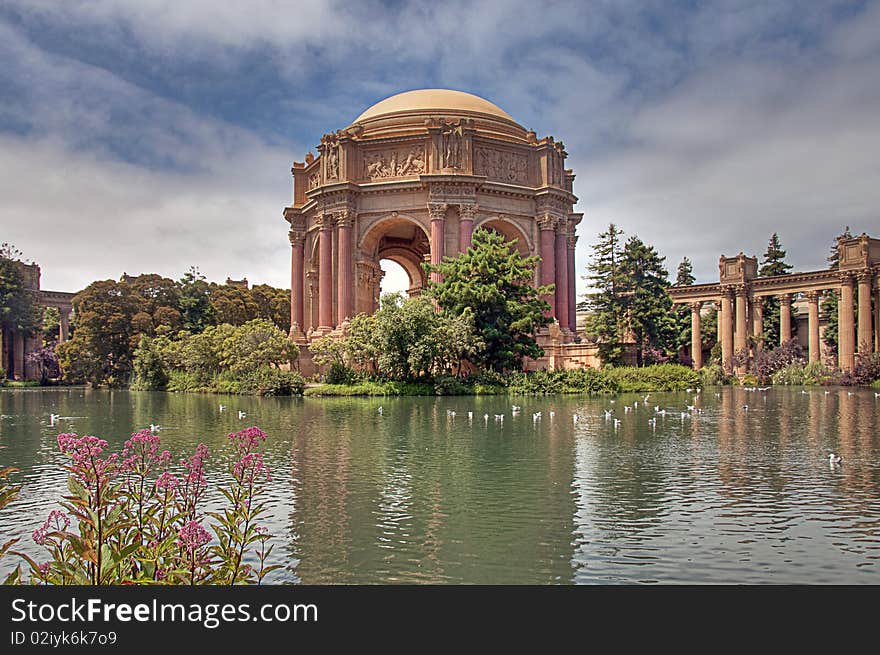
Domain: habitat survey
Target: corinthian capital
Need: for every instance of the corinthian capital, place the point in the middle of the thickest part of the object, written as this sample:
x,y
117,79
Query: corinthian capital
x,y
546,222
324,221
467,212
344,217
296,237
438,210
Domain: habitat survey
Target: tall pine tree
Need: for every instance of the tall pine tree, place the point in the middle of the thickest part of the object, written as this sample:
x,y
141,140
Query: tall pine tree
x,y
829,300
773,264
605,304
682,313
646,301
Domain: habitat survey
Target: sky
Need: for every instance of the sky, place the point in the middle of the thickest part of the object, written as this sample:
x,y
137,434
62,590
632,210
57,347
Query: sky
x,y
155,135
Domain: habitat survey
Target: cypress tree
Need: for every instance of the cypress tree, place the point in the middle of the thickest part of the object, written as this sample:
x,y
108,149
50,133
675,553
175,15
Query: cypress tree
x,y
829,300
773,264
606,306
682,313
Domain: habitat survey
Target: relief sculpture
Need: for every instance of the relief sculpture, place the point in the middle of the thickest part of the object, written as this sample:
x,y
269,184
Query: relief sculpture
x,y
394,163
501,166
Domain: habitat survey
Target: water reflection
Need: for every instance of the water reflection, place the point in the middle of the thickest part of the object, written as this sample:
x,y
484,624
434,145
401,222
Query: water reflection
x,y
738,490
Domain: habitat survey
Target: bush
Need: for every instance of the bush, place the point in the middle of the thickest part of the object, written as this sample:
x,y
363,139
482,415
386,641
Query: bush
x,y
818,373
452,386
663,377
749,380
2,375
793,374
339,373
713,375
185,381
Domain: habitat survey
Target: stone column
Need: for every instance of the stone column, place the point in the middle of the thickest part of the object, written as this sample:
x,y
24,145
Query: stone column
x,y
845,325
561,266
877,321
696,340
18,356
784,318
63,326
727,329
438,235
546,224
813,324
345,279
325,278
572,281
467,214
741,337
758,322
297,284
865,341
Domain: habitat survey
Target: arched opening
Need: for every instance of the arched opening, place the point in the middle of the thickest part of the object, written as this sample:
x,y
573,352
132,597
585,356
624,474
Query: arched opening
x,y
395,248
395,279
510,232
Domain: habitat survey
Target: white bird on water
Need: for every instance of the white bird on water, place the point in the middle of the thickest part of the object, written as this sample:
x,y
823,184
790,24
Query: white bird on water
x,y
486,419
552,414
53,418
154,427
616,423
222,408
575,418
515,409
380,410
241,414
834,459
499,417
536,416
607,414
470,417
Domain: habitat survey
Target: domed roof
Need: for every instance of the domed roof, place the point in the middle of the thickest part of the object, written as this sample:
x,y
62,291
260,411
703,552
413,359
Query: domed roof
x,y
423,101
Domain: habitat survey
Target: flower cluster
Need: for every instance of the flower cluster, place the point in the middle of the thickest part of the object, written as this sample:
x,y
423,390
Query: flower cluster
x,y
248,439
193,536
251,468
195,467
167,482
85,452
57,522
141,453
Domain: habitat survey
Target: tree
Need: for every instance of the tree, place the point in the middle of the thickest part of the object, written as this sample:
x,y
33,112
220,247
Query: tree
x,y
195,307
682,313
606,305
494,281
149,367
647,303
46,361
773,264
256,343
457,340
830,300
232,304
272,303
404,337
19,311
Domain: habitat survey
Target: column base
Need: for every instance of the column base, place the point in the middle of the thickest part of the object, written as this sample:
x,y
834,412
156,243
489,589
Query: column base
x,y
296,334
320,331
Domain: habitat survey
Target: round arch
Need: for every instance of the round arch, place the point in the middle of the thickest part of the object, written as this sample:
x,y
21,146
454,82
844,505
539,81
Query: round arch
x,y
510,232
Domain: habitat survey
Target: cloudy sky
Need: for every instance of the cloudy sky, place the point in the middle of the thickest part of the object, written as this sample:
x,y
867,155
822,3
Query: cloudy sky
x,y
151,135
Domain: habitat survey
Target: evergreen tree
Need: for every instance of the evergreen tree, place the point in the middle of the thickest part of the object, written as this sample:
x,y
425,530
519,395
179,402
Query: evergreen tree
x,y
682,313
829,300
647,302
19,311
606,321
773,264
196,310
495,281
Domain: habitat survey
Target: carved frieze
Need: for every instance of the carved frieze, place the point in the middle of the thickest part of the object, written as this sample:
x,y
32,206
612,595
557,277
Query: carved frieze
x,y
314,180
503,166
396,162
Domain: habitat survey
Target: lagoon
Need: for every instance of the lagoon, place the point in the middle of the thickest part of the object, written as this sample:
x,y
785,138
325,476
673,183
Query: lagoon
x,y
416,495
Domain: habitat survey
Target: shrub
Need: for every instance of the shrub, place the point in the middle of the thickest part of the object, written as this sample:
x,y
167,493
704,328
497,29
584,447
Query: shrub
x,y
149,369
451,386
339,373
713,375
792,374
818,373
749,380
663,377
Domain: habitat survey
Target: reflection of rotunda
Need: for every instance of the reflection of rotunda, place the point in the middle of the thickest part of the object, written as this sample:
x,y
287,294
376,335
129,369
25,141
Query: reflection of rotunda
x,y
409,181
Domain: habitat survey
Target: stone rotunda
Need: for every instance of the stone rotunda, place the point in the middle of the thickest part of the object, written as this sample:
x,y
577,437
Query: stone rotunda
x,y
409,181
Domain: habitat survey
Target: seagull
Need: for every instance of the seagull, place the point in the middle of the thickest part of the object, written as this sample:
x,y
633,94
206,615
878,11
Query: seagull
x,y
636,403
222,408
499,417
718,395
690,408
646,397
828,392
515,408
536,415
53,418
746,407
684,415
486,419
662,413
607,414
470,417
653,423
876,395
850,393
154,427
626,409
574,418
834,459
450,413
380,410
688,390
804,392
241,414
552,414
616,423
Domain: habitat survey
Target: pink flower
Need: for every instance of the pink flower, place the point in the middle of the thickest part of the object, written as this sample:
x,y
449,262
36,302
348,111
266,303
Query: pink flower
x,y
167,482
195,466
251,468
57,522
44,568
246,440
193,536
141,453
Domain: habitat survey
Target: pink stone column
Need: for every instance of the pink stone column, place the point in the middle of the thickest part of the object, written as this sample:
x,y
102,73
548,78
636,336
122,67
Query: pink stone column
x,y
813,324
877,321
344,281
845,326
325,278
548,256
784,318
438,237
741,338
466,213
561,266
297,279
865,341
758,322
572,288
696,340
727,330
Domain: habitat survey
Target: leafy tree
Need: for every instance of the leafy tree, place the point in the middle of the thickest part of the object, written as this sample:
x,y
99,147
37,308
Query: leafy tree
x,y
494,281
256,343
457,340
272,303
647,302
45,359
195,308
404,337
685,275
51,325
101,348
363,351
149,367
606,321
773,263
830,300
232,304
19,311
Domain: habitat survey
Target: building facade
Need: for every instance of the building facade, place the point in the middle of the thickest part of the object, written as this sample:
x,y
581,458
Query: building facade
x,y
410,180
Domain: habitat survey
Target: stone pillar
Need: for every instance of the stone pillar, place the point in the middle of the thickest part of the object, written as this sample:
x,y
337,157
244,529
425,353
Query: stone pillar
x,y
813,324
845,326
784,318
548,247
297,284
727,330
561,266
345,279
865,341
63,325
741,342
325,279
18,356
438,235
758,322
572,281
467,214
877,321
696,340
